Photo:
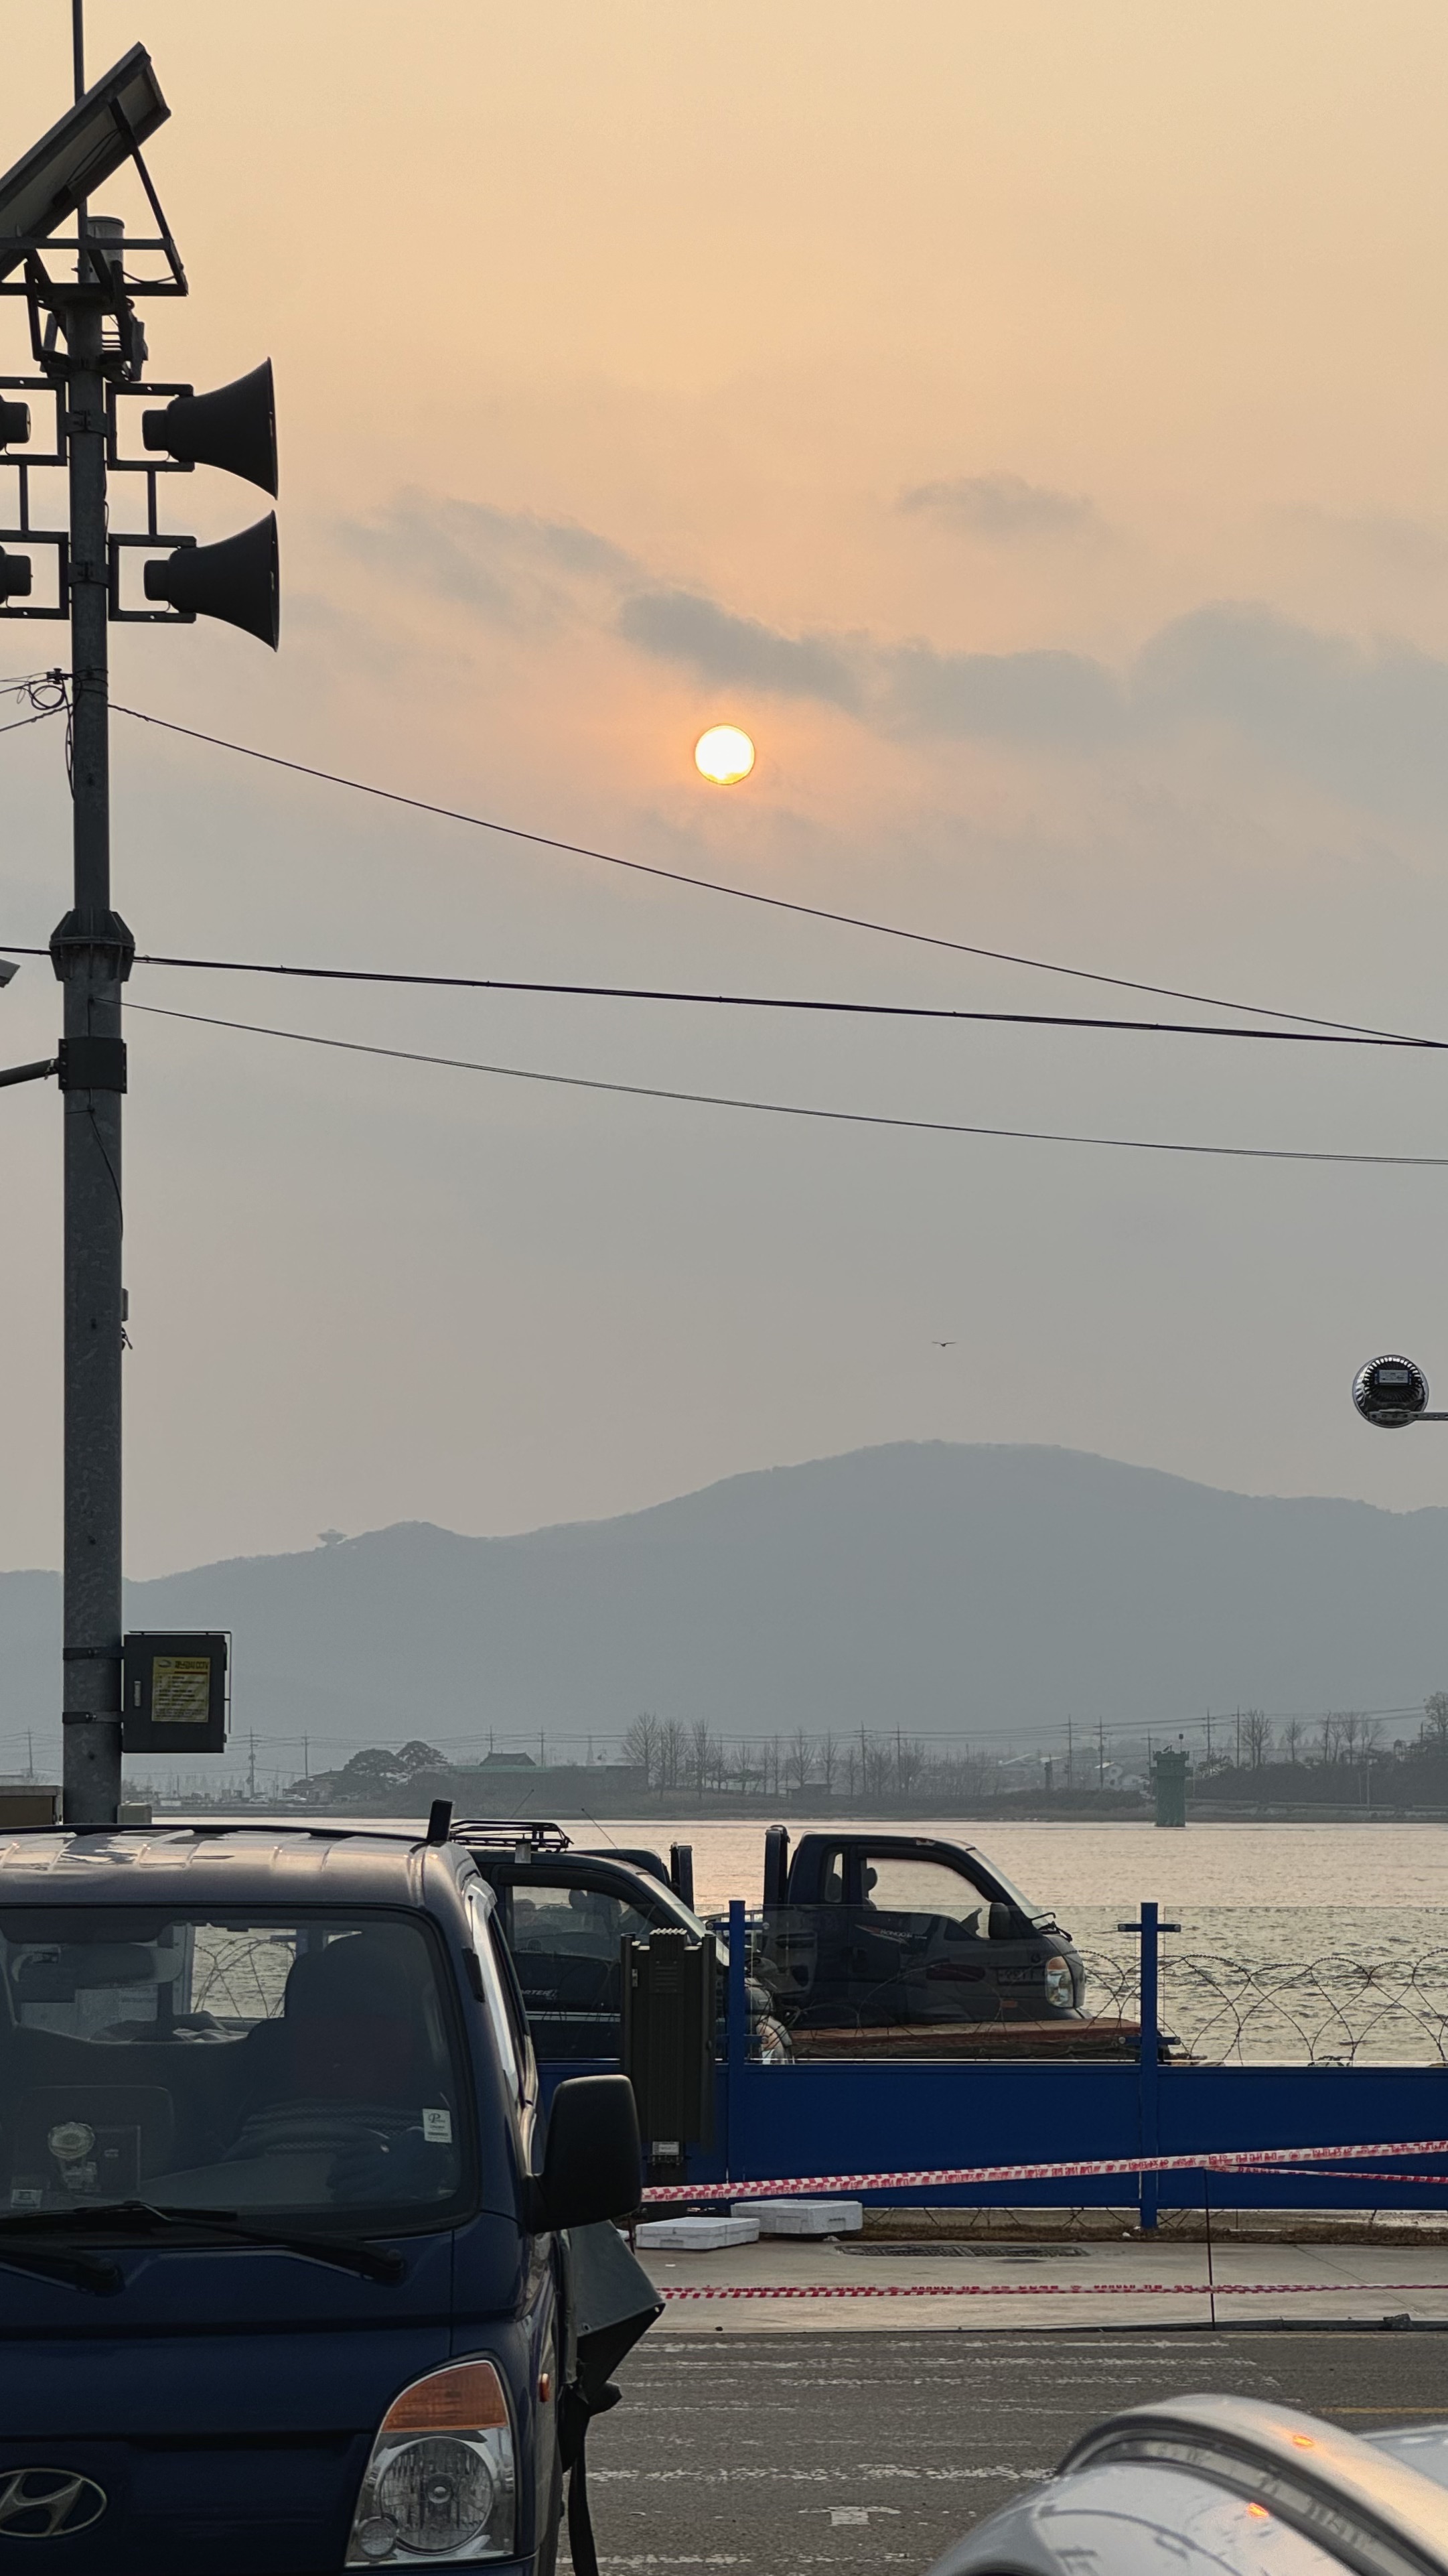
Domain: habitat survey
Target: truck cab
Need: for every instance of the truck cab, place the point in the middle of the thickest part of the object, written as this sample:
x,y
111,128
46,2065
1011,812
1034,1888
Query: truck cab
x,y
881,1933
565,1911
289,2280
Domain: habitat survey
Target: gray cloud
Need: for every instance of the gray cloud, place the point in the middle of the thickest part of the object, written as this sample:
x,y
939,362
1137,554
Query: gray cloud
x,y
685,627
508,566
1061,698
1367,723
1398,543
1004,507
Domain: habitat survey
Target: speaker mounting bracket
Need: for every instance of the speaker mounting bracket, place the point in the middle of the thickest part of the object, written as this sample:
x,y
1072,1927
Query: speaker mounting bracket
x,y
155,541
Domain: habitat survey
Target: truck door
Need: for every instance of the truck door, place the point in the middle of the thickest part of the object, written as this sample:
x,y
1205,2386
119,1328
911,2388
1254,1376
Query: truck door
x,y
921,1939
565,1944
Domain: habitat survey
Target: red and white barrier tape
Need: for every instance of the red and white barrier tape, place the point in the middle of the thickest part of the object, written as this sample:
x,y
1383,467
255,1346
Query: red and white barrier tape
x,y
1039,2289
1236,2160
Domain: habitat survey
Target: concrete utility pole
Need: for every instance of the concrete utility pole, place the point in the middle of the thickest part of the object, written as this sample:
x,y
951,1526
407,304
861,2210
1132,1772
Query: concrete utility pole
x,y
91,951
90,350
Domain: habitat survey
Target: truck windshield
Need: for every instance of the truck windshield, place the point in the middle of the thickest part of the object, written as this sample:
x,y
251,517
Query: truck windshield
x,y
302,2064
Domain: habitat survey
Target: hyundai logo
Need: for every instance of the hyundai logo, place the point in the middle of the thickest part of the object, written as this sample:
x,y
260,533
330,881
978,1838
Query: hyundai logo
x,y
47,2504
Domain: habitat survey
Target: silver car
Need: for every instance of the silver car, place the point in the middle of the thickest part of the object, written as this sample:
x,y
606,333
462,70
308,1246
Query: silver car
x,y
1225,2486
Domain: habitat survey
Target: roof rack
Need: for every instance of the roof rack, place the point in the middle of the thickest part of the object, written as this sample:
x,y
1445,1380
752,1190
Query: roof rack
x,y
496,1833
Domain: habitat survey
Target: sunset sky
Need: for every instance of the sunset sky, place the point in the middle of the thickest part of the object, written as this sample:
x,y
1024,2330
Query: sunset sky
x,y
1030,424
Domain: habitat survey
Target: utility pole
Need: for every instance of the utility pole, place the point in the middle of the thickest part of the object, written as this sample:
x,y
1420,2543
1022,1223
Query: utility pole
x,y
91,351
1070,1756
1100,1753
91,951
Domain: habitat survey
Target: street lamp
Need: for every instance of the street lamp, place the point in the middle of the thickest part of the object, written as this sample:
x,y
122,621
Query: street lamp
x,y
1392,1394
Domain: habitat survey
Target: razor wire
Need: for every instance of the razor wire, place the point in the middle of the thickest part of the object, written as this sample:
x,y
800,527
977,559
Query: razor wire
x,y
1342,2008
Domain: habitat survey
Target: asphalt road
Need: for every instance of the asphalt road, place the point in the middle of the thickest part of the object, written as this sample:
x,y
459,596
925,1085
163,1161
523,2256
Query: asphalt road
x,y
867,2451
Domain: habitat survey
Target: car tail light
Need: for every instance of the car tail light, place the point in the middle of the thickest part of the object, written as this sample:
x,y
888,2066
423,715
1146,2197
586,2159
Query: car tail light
x,y
441,2484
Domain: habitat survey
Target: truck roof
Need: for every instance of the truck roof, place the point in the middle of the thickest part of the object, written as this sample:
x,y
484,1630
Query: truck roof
x,y
258,1862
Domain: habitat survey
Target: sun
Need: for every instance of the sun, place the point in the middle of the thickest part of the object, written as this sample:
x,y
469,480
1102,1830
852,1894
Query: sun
x,y
724,754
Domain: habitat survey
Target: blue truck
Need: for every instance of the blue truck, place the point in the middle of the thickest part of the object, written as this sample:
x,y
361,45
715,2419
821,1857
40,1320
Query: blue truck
x,y
290,2279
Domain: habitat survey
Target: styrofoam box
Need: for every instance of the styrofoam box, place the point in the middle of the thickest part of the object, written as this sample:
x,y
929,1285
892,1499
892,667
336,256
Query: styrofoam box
x,y
699,2235
809,2217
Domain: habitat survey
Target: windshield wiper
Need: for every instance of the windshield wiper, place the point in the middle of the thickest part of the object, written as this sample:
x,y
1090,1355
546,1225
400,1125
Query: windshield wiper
x,y
77,2271
224,2226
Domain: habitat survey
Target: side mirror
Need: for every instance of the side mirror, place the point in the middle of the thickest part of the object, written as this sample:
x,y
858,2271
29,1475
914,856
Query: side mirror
x,y
593,2161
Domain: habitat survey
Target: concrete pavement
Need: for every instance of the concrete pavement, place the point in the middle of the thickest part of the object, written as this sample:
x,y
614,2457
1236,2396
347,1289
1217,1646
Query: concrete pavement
x,y
879,2286
782,2454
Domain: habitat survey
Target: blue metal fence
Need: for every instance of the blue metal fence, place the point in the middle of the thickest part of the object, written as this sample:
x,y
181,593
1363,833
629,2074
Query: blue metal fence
x,y
823,2118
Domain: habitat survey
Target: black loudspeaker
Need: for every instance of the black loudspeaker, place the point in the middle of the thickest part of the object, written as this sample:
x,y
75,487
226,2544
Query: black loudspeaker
x,y
14,576
238,580
14,424
235,428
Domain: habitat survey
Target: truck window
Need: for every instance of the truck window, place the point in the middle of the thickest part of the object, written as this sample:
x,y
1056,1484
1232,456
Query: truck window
x,y
565,1945
304,2063
510,2036
921,1887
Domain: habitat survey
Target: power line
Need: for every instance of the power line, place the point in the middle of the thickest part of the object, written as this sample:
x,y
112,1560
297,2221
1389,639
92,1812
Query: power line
x,y
20,722
739,894
792,1109
772,1002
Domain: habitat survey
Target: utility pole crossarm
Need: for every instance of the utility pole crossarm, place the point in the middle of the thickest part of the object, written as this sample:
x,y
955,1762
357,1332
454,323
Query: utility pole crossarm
x,y
29,1072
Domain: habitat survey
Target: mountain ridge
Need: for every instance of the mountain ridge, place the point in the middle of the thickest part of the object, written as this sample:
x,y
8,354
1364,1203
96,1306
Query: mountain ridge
x,y
945,1587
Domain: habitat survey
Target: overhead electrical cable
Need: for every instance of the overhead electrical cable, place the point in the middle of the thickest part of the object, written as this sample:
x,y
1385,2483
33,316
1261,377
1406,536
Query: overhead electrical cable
x,y
772,1002
739,894
19,723
789,1108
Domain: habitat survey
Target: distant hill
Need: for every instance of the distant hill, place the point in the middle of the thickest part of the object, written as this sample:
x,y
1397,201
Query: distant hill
x,y
932,1586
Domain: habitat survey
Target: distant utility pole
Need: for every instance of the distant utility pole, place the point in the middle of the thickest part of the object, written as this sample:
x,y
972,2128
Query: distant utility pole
x,y
1100,1753
90,349
1070,1757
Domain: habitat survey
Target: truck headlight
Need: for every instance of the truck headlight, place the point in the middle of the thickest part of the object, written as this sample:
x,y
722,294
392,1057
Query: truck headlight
x,y
1059,1989
441,2484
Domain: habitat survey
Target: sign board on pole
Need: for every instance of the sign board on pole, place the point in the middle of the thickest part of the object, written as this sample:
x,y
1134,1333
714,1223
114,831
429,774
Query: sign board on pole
x,y
174,1693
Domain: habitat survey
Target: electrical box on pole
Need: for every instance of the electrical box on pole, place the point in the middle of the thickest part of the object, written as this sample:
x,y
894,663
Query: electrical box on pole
x,y
88,355
174,1692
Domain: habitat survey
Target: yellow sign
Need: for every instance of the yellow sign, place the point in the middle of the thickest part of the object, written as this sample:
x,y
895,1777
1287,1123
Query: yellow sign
x,y
181,1690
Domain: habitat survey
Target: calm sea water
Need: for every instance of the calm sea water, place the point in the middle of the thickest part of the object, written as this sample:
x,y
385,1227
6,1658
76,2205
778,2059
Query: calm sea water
x,y
1322,1943
1110,1868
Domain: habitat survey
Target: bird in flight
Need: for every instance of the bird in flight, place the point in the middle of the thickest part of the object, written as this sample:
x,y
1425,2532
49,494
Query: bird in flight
x,y
945,1346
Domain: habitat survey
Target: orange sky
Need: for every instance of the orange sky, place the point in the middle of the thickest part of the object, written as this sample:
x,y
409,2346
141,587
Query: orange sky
x,y
804,368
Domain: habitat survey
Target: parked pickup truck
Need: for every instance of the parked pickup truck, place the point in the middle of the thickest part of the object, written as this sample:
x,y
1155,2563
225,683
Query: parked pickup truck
x,y
564,1911
892,1941
289,2280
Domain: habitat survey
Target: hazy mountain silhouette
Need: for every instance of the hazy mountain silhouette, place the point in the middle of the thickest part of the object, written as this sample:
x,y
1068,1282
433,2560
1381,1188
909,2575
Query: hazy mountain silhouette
x,y
932,1586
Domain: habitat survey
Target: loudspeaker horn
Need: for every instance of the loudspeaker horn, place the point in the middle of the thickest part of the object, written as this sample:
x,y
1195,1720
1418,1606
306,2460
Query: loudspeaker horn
x,y
238,580
235,428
